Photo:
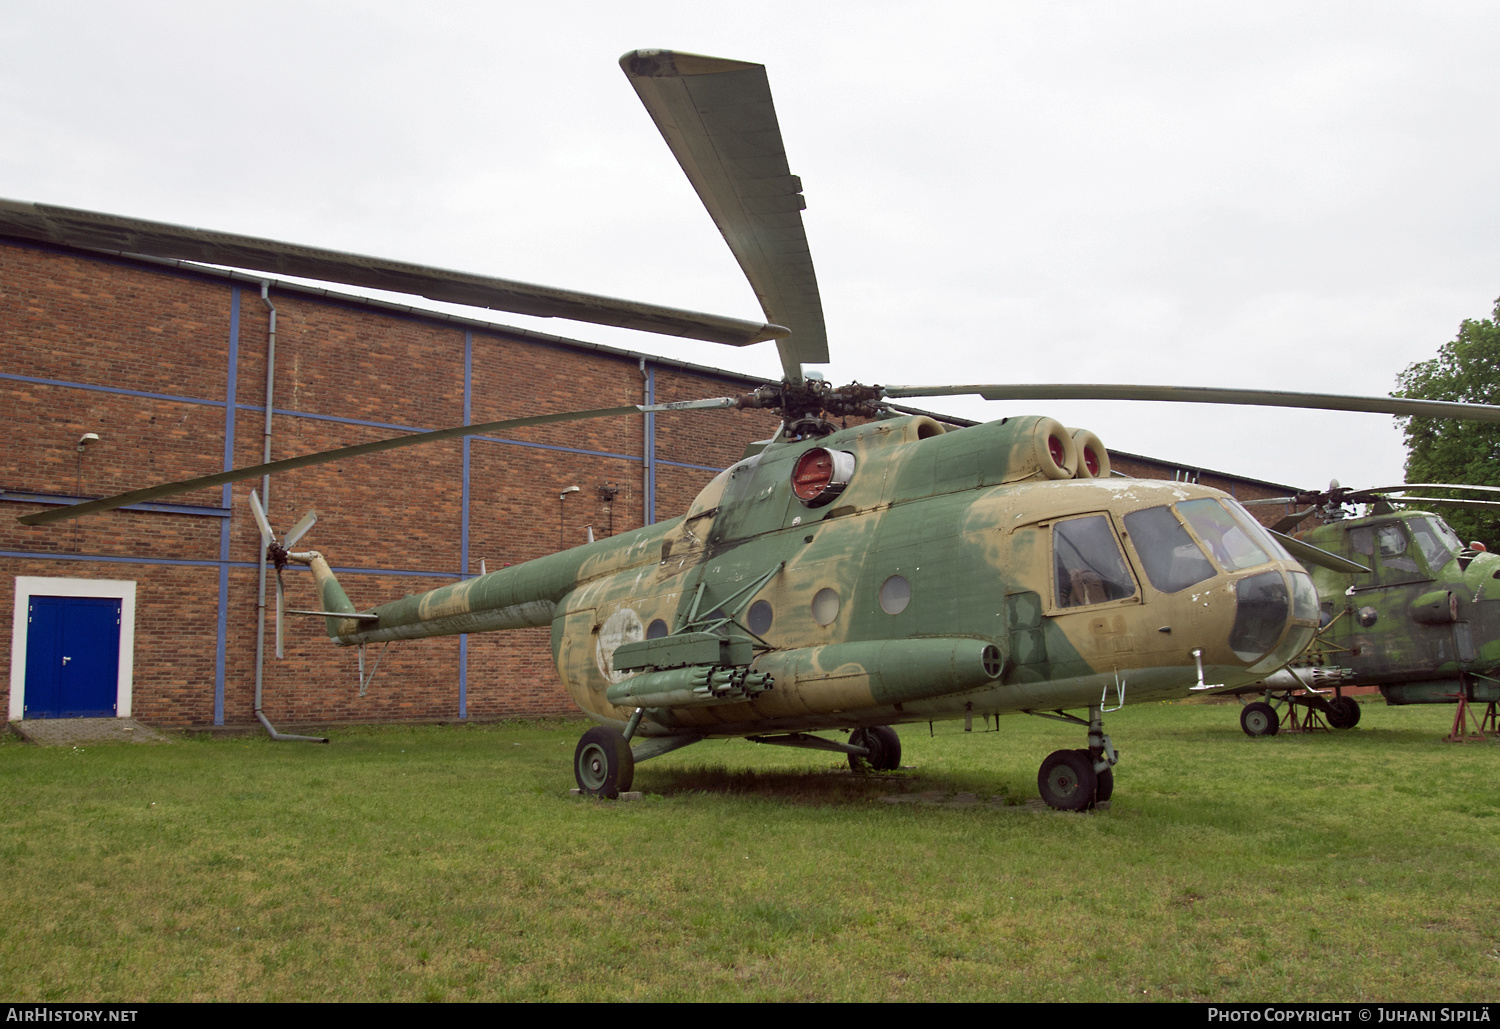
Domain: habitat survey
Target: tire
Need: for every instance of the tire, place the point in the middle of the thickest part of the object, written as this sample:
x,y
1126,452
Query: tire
x,y
1349,712
1338,714
603,763
1259,719
1106,787
884,746
1067,781
1106,780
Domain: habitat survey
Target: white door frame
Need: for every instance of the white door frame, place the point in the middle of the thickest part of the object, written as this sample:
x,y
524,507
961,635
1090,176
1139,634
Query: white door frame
x,y
122,590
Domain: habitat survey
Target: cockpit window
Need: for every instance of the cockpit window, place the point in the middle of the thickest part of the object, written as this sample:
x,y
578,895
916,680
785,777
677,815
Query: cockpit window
x,y
1090,568
1446,534
1362,540
1172,560
1304,598
1433,543
1256,531
1389,550
1232,546
1390,540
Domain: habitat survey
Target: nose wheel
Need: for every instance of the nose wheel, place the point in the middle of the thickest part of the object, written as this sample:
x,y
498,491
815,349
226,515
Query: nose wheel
x,y
1259,719
1076,780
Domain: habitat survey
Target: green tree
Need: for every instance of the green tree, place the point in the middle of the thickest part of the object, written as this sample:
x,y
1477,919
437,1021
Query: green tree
x,y
1443,450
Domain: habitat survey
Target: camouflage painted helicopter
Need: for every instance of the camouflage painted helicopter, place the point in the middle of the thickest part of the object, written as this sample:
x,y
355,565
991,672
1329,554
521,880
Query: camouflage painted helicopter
x,y
834,579
1421,621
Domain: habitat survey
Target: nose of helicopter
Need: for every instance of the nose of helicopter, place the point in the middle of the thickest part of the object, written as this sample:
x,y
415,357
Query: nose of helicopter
x,y
1235,603
1276,616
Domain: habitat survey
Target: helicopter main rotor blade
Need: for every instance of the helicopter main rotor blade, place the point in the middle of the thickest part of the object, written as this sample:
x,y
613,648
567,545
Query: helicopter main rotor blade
x,y
1291,521
68,226
280,612
169,489
720,122
1208,395
1309,554
1478,505
1431,485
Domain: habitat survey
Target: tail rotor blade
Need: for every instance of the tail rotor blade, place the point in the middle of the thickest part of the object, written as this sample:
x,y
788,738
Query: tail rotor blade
x,y
266,535
300,529
280,612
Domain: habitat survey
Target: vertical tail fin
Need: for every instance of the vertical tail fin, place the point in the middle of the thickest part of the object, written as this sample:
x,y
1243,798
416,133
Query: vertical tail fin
x,y
331,596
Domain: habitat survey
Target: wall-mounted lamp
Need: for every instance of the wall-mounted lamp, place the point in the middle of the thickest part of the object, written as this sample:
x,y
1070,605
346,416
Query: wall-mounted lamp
x,y
83,441
562,499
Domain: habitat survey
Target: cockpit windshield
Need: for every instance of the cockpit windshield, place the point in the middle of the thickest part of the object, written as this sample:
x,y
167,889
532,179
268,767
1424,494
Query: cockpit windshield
x,y
1232,544
1172,560
1438,543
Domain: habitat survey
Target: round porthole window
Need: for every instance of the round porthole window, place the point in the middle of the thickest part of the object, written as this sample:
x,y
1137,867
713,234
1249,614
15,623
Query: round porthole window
x,y
656,630
759,618
895,594
825,606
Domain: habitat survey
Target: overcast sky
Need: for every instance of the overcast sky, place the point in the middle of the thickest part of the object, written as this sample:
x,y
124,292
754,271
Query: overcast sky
x,y
1278,195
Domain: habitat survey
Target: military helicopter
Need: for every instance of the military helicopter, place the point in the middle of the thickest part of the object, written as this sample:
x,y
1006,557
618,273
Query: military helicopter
x,y
835,579
1420,619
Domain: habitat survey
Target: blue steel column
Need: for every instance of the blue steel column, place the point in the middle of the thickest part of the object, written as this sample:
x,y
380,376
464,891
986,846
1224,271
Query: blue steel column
x,y
463,547
228,495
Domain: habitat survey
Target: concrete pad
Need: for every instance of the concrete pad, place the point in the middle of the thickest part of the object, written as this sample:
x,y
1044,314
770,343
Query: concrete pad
x,y
70,732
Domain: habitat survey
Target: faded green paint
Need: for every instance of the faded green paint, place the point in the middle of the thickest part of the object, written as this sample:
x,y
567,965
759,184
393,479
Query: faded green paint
x,y
1394,626
964,517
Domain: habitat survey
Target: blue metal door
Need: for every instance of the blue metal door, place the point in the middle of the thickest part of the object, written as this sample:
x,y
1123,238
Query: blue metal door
x,y
72,657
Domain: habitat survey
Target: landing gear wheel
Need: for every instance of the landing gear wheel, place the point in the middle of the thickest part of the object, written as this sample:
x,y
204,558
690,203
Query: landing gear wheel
x,y
1106,787
1259,719
1346,713
1067,780
603,763
884,746
1106,779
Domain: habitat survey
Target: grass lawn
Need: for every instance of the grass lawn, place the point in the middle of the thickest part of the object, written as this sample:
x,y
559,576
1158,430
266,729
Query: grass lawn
x,y
449,863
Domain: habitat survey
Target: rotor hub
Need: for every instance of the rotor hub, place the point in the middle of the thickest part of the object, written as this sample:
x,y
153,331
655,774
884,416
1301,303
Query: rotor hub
x,y
806,406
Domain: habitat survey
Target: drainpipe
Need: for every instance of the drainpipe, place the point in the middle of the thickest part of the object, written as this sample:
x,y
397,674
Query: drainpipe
x,y
265,493
648,450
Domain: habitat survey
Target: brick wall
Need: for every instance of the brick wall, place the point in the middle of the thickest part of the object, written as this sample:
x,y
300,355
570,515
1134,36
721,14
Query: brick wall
x,y
140,353
392,523
1239,488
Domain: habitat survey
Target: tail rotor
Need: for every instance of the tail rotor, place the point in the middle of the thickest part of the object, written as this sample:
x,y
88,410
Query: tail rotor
x,y
278,554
